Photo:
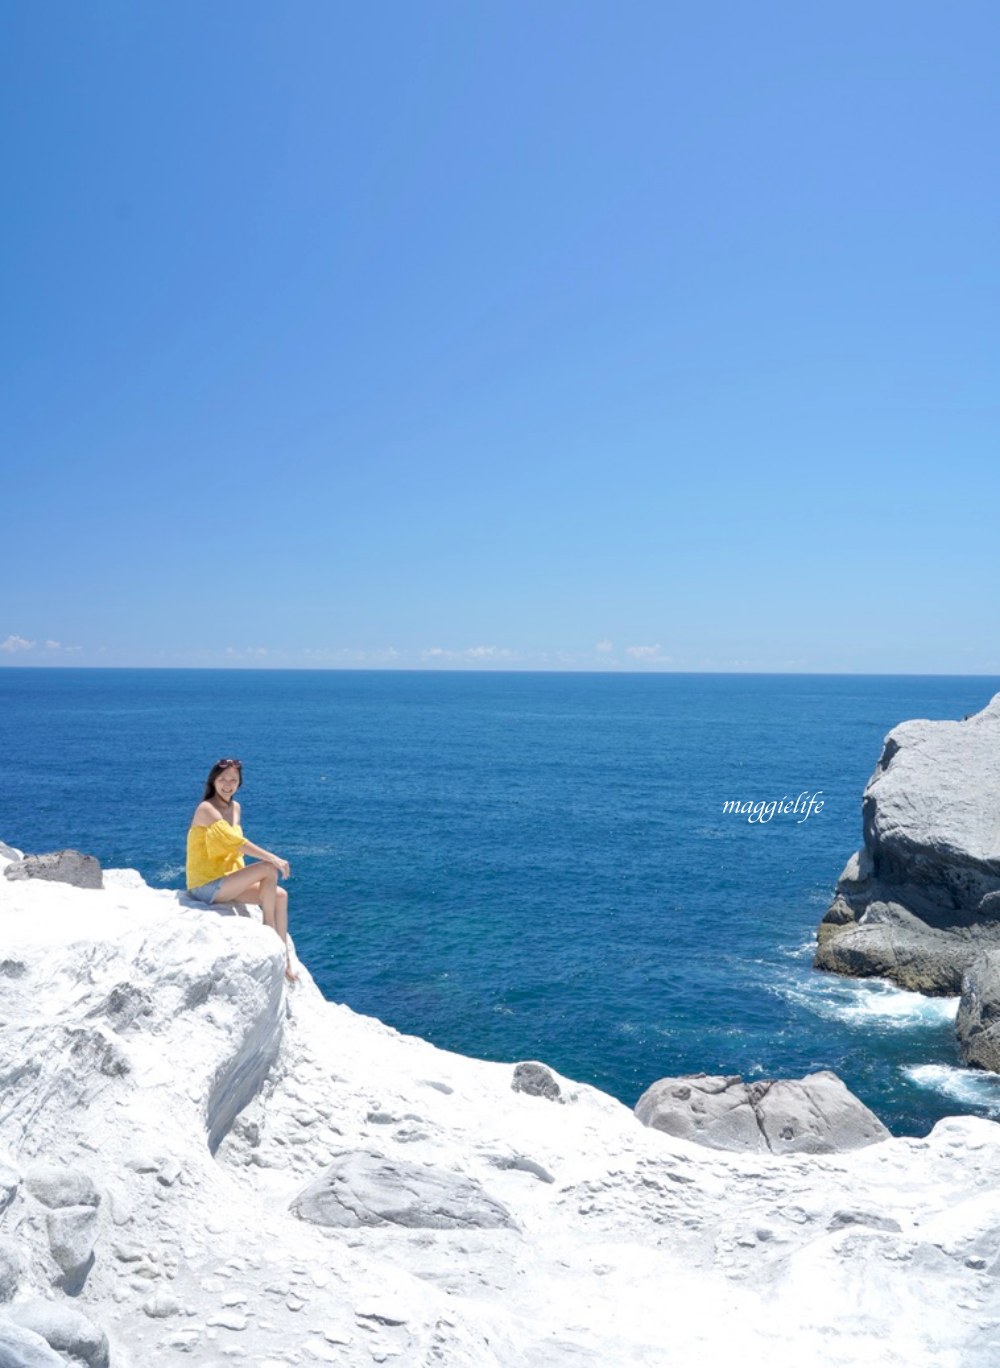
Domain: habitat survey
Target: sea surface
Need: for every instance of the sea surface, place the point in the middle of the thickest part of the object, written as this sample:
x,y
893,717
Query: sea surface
x,y
527,866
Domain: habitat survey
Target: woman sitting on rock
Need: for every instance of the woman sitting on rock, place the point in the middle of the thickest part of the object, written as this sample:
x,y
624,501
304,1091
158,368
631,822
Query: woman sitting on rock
x,y
215,848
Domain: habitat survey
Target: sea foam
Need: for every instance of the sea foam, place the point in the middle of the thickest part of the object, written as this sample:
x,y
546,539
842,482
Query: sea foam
x,y
969,1087
867,1003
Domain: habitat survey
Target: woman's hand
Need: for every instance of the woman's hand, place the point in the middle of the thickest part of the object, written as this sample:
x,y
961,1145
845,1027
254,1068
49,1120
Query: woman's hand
x,y
282,865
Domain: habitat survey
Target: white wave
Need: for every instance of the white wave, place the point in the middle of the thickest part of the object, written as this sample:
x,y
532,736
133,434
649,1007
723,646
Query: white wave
x,y
804,951
870,1003
970,1087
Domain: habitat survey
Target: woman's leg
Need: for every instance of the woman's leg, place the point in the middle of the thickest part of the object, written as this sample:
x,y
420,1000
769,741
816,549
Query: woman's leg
x,y
257,883
281,914
278,922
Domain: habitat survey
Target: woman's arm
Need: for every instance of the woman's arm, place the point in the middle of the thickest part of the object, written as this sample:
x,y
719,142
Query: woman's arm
x,y
261,854
258,851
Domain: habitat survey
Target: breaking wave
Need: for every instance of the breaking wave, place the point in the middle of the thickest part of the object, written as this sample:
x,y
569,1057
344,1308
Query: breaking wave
x,y
969,1087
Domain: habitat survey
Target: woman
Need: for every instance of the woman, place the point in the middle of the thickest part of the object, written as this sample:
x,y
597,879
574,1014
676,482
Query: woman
x,y
215,848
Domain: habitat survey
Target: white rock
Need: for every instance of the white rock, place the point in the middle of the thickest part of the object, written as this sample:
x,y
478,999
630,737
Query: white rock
x,y
72,1233
12,1269
161,1305
22,1348
56,1185
66,1330
880,1257
229,1320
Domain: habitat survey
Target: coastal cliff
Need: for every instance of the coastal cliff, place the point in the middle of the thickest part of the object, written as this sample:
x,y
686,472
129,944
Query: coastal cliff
x,y
919,903
201,1165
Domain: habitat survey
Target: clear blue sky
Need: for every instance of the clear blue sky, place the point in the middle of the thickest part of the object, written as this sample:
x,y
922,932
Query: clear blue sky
x,y
560,335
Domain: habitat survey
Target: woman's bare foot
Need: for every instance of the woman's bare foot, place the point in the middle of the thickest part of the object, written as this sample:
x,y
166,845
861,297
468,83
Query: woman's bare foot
x,y
290,974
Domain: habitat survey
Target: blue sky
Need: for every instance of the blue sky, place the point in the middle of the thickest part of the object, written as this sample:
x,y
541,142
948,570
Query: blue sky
x,y
501,335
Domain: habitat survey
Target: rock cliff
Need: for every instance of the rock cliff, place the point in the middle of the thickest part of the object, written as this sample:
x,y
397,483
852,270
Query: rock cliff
x,y
921,900
201,1165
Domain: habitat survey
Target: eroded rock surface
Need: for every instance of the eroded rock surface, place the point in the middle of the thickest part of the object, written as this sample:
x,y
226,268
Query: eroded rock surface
x,y
364,1189
812,1115
65,1329
978,1022
537,1080
60,866
153,1057
921,901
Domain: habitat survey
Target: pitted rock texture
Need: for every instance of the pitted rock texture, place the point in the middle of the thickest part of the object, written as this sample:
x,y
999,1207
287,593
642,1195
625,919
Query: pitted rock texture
x,y
61,866
537,1080
152,1055
363,1189
812,1115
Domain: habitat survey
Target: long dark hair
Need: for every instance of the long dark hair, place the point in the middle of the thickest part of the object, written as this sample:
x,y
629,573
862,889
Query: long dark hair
x,y
214,773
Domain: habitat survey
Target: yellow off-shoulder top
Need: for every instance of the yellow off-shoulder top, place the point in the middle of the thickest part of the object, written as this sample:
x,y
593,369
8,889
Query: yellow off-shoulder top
x,y
213,852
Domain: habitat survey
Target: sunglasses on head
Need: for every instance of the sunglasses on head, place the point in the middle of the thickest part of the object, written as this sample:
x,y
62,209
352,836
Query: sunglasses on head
x,y
228,764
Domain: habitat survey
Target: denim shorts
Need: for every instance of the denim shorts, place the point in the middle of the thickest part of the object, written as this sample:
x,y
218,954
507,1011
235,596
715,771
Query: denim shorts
x,y
205,892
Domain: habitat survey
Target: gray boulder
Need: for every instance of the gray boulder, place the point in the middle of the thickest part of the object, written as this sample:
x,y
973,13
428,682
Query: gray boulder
x,y
21,1348
11,1269
537,1080
921,901
978,1021
363,1189
923,961
72,1235
60,866
813,1115
58,1185
64,1329
712,1111
817,1114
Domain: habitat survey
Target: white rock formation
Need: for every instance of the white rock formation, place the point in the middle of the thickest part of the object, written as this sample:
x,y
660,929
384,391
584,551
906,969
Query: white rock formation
x,y
175,1122
921,900
811,1115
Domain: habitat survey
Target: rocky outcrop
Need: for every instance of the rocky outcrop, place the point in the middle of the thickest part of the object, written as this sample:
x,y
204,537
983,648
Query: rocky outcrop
x,y
536,1080
920,958
921,901
363,1189
61,866
812,1115
233,1170
21,1348
978,1021
65,1329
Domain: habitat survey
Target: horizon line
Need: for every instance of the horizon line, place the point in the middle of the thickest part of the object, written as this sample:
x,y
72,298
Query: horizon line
x,y
436,670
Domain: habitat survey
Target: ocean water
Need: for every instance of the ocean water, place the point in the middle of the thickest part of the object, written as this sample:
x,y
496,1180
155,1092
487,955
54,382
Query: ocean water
x,y
527,866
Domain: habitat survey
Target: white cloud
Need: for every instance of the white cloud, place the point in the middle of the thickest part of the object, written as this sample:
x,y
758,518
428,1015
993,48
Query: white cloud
x,y
470,653
604,647
351,654
53,645
16,643
488,653
244,652
649,654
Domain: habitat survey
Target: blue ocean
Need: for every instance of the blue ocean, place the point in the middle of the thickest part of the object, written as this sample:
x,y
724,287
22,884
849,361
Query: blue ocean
x,y
527,866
